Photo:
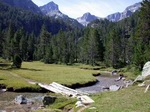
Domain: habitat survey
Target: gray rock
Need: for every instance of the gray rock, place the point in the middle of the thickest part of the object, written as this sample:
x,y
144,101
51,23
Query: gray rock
x,y
47,100
146,70
114,72
128,83
114,88
20,100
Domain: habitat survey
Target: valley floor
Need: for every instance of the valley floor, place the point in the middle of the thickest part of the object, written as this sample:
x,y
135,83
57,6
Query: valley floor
x,y
125,100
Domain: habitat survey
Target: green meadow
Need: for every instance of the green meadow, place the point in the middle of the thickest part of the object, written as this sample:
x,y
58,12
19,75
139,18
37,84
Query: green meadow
x,y
132,99
45,73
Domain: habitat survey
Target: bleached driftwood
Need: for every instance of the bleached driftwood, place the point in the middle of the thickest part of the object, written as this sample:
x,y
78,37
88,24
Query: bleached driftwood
x,y
147,88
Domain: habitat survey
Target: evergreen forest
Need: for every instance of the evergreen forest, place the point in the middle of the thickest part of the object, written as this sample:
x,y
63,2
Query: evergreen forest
x,y
35,37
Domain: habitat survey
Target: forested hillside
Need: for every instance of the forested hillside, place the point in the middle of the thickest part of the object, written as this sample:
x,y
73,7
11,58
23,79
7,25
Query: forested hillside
x,y
36,37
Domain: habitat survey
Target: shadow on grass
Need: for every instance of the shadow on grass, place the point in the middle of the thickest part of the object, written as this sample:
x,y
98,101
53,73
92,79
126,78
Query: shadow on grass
x,y
31,69
4,65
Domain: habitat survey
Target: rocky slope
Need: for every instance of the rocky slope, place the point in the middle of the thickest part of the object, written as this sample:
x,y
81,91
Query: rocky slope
x,y
126,13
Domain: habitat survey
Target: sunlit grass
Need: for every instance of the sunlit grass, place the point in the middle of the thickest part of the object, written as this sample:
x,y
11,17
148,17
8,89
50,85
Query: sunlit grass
x,y
132,99
12,81
48,73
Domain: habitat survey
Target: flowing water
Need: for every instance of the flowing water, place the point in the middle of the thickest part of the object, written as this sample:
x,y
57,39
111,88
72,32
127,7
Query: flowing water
x,y
102,85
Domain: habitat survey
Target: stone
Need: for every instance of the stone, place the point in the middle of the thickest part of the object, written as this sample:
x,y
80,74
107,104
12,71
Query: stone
x,y
23,100
20,100
114,88
47,100
146,70
121,77
114,72
128,83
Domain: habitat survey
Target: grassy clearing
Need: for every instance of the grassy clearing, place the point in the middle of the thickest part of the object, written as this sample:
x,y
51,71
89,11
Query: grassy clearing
x,y
11,81
48,73
132,99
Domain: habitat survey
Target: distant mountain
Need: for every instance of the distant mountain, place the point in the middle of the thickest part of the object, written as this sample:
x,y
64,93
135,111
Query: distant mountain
x,y
24,4
86,19
52,10
126,13
29,21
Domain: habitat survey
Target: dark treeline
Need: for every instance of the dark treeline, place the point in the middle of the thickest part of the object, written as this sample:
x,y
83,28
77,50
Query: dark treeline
x,y
114,44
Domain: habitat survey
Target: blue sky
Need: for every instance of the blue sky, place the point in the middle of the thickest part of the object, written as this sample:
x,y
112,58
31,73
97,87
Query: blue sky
x,y
100,8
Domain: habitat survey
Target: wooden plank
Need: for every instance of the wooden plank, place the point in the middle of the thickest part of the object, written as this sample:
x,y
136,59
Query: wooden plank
x,y
58,88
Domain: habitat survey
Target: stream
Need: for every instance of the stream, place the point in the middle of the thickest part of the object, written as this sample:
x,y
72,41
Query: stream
x,y
7,98
103,82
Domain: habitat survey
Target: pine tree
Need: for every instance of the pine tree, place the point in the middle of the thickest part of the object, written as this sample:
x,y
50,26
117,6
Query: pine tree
x,y
30,47
45,37
17,61
1,41
113,49
142,36
23,47
48,58
94,46
8,45
83,44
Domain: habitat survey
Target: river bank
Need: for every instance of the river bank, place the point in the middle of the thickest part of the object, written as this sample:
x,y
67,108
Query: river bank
x,y
7,98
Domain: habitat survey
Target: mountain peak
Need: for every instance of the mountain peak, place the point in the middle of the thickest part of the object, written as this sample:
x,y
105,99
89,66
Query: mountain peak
x,y
52,6
87,14
126,13
49,7
87,18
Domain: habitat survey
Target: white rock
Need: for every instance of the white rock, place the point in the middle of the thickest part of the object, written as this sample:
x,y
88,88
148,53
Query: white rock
x,y
114,88
146,70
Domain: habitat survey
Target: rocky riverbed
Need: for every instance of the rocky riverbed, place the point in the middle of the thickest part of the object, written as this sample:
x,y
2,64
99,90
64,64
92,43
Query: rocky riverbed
x,y
7,103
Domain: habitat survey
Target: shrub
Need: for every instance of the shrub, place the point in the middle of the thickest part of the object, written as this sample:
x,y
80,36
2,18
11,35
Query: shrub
x,y
17,61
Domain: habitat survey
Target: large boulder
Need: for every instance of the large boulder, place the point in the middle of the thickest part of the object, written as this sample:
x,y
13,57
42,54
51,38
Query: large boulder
x,y
146,70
